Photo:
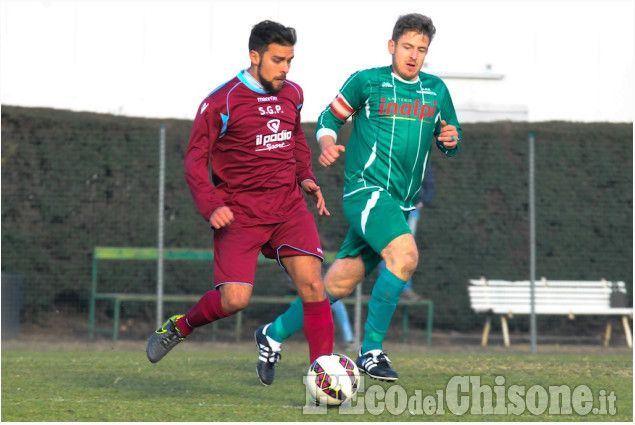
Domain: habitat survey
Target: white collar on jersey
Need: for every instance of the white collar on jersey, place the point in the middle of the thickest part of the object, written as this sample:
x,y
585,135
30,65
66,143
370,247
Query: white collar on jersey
x,y
405,81
252,80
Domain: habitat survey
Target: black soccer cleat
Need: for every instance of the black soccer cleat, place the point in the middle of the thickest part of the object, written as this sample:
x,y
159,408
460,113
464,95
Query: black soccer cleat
x,y
267,357
376,364
164,339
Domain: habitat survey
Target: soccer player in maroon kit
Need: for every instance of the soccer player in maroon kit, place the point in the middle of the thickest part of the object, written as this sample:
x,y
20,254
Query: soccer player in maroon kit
x,y
248,130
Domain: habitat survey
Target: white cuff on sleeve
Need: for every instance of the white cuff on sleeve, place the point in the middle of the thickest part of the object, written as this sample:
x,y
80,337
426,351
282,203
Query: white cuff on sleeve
x,y
325,132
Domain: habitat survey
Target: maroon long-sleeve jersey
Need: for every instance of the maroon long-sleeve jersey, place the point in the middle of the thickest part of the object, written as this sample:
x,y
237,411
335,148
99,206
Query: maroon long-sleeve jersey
x,y
257,151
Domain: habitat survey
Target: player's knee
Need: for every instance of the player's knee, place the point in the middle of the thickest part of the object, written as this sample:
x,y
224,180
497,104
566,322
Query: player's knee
x,y
311,290
315,287
234,303
341,289
410,261
343,276
404,265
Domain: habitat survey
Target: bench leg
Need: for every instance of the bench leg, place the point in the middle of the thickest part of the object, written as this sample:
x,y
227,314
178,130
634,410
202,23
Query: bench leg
x,y
115,320
91,318
486,328
505,331
404,325
627,332
607,333
214,330
429,324
239,325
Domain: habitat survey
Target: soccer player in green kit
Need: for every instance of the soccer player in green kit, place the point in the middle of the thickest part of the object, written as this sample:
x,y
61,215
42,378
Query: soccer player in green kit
x,y
397,111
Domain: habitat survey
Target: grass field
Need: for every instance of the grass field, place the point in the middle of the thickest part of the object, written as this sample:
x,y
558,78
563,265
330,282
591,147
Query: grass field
x,y
222,386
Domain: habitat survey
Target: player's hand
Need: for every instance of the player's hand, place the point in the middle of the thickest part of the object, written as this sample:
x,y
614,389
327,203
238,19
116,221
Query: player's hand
x,y
313,190
449,136
330,154
221,217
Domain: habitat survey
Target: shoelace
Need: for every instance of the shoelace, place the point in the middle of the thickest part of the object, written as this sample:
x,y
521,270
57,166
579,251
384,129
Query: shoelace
x,y
269,355
172,336
372,361
382,358
171,339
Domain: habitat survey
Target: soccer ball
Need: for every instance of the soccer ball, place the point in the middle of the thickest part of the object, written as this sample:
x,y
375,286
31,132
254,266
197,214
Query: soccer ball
x,y
332,379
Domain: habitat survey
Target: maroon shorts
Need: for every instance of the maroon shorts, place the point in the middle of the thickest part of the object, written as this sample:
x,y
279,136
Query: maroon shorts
x,y
236,247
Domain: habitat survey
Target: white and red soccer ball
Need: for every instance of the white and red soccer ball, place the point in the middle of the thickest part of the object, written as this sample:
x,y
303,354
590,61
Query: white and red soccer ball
x,y
332,379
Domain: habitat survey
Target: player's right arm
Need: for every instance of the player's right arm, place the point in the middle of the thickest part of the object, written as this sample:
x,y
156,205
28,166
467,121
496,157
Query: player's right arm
x,y
221,217
205,130
330,150
346,103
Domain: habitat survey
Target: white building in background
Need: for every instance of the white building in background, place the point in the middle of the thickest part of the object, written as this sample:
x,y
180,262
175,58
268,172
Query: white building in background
x,y
534,61
473,100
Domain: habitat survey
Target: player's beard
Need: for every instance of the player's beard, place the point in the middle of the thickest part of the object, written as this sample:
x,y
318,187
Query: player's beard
x,y
266,84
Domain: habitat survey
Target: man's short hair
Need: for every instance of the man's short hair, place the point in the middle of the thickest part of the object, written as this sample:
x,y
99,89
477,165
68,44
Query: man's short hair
x,y
267,32
413,22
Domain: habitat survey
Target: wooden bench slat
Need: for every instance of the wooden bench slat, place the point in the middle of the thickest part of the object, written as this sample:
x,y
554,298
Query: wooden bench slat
x,y
526,290
539,295
589,312
551,283
526,300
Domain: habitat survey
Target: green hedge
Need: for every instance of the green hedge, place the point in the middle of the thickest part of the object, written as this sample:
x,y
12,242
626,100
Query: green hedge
x,y
71,181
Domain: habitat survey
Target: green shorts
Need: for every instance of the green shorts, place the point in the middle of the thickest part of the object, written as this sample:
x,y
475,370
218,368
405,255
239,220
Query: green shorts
x,y
375,219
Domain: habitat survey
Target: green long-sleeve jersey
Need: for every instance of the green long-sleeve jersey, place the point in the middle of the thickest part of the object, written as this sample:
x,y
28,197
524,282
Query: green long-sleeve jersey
x,y
394,122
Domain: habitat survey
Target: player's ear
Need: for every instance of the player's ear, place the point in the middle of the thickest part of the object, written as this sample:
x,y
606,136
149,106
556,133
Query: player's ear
x,y
391,46
254,57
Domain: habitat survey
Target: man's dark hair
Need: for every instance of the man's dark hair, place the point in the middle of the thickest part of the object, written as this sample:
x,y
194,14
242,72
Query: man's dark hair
x,y
413,22
267,32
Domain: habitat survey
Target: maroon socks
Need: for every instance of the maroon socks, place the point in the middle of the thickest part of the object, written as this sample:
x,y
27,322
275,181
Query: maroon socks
x,y
318,328
207,310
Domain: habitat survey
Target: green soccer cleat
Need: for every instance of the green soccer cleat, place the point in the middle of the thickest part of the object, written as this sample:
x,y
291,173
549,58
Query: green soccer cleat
x,y
164,339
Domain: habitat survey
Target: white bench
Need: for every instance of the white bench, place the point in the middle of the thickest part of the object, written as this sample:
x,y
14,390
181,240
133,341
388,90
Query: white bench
x,y
552,297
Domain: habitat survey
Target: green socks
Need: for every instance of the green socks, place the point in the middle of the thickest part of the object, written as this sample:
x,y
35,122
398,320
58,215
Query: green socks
x,y
381,307
288,322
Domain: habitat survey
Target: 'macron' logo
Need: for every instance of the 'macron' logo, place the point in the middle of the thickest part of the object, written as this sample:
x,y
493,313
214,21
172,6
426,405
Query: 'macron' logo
x,y
407,109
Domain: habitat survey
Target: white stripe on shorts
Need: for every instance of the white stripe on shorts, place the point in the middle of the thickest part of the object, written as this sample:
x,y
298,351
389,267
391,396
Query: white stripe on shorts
x,y
369,206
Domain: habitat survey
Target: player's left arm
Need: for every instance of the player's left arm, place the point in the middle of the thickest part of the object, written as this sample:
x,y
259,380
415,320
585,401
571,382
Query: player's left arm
x,y
302,154
448,130
303,171
313,190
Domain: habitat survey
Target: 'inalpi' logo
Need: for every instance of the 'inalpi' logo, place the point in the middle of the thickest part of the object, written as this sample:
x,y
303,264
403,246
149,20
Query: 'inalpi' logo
x,y
415,109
